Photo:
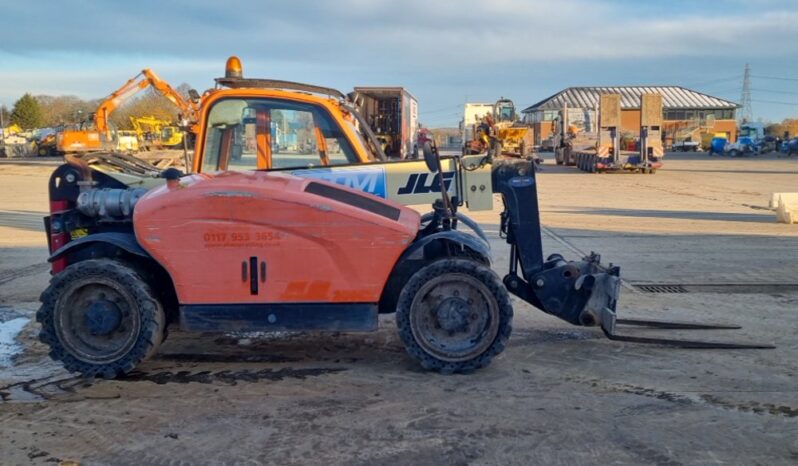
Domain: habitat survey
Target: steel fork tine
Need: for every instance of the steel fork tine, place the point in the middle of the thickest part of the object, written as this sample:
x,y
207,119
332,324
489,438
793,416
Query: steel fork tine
x,y
675,325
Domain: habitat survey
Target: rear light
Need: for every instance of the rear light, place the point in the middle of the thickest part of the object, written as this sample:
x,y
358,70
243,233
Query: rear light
x,y
58,236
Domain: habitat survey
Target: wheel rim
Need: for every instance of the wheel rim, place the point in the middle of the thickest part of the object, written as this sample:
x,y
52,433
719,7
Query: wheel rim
x,y
454,317
97,322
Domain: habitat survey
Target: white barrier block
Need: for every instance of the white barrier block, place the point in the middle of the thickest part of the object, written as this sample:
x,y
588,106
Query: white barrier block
x,y
789,198
787,210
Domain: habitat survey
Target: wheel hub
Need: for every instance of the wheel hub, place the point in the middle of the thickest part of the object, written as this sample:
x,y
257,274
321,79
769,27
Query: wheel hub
x,y
452,314
102,317
97,322
454,317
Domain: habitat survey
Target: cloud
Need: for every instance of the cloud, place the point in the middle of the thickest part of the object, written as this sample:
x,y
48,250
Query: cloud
x,y
382,33
444,49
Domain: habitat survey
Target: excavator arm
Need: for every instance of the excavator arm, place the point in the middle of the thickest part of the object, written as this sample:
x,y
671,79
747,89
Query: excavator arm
x,y
138,83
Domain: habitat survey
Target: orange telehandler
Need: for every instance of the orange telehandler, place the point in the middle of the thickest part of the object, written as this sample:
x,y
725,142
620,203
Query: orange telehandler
x,y
98,135
291,226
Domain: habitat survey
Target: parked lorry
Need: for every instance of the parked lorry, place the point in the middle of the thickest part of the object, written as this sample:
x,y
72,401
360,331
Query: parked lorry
x,y
392,114
745,145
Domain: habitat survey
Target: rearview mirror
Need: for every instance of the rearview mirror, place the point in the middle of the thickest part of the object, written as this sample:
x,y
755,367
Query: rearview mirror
x,y
431,157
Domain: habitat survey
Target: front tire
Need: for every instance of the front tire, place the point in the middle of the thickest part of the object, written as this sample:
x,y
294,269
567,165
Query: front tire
x,y
100,318
454,316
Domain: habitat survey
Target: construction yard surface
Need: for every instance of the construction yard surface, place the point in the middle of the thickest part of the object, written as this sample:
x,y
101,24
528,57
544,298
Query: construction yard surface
x,y
695,242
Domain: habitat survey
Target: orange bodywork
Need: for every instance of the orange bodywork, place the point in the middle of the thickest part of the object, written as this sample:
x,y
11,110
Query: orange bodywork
x,y
78,141
207,229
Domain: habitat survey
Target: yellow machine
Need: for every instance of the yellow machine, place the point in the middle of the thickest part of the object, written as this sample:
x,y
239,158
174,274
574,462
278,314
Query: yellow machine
x,y
516,138
13,129
498,130
154,133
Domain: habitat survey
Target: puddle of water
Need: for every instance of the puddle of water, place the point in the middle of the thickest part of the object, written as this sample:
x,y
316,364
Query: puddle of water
x,y
8,334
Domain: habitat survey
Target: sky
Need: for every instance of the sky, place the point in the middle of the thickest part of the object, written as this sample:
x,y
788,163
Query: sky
x,y
446,52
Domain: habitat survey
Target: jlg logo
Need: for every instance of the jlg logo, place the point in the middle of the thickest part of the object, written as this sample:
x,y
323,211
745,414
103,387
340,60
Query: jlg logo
x,y
418,183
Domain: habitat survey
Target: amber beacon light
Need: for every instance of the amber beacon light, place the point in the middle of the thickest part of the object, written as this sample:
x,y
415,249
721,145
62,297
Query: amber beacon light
x,y
233,68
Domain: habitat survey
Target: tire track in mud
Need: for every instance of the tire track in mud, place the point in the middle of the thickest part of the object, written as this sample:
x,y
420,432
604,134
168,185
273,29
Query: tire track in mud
x,y
227,376
685,399
13,274
43,389
752,407
66,388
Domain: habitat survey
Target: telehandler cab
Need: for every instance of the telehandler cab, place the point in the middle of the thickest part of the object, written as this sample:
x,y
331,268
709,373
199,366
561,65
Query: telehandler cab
x,y
319,248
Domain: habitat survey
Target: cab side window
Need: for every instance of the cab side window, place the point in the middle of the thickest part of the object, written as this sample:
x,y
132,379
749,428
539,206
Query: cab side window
x,y
249,134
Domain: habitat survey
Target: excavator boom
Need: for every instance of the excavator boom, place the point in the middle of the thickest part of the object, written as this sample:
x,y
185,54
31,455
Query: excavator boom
x,y
138,83
98,138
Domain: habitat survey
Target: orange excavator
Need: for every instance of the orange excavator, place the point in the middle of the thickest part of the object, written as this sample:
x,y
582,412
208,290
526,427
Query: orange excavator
x,y
96,134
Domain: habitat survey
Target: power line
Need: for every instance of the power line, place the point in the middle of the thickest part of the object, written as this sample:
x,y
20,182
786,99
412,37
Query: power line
x,y
727,91
713,81
775,92
776,102
774,77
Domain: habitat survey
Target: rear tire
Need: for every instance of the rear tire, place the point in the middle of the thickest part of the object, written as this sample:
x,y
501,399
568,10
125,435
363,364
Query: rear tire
x,y
454,316
100,318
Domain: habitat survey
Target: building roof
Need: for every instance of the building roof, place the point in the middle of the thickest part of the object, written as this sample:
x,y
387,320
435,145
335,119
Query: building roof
x,y
673,97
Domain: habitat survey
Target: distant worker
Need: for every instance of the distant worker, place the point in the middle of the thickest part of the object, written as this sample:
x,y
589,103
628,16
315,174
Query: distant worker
x,y
486,132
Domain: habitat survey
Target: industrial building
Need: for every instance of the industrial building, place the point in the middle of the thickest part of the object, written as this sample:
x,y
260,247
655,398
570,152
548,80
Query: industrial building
x,y
688,114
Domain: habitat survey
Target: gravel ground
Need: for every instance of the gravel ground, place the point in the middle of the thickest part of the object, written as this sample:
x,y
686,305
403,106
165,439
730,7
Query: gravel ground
x,y
558,395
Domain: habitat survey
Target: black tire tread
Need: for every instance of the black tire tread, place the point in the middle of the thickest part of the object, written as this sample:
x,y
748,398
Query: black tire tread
x,y
482,273
153,320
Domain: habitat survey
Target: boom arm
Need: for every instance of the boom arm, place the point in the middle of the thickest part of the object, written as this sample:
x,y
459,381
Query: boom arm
x,y
142,81
580,292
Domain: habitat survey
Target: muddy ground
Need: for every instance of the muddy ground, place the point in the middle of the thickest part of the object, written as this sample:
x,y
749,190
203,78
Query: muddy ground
x,y
558,395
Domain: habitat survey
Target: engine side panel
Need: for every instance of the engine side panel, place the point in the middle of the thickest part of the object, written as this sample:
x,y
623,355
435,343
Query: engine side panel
x,y
260,237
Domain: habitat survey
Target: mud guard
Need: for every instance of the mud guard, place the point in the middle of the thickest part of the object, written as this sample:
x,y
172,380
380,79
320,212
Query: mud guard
x,y
423,247
125,241
424,250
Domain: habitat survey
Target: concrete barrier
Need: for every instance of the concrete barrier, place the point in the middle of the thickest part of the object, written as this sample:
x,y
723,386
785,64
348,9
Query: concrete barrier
x,y
786,207
19,150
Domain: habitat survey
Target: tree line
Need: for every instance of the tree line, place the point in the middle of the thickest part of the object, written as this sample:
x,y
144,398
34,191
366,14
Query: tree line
x,y
45,111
